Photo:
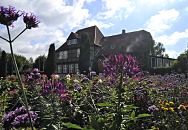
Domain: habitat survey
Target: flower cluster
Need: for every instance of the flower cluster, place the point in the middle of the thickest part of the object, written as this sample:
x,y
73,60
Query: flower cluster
x,y
34,75
55,88
117,64
167,106
30,20
141,98
18,118
153,108
8,15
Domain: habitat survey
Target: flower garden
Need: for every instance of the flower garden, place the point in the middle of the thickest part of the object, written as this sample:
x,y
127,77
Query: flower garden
x,y
121,98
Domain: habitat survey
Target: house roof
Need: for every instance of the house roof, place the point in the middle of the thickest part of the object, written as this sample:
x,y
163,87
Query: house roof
x,y
72,36
93,32
128,42
162,57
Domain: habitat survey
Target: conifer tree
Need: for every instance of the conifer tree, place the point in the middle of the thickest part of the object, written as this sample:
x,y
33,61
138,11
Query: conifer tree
x,y
50,61
3,64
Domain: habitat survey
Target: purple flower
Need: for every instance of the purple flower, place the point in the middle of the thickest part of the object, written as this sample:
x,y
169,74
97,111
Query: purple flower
x,y
116,64
152,108
18,118
30,21
8,15
85,80
77,87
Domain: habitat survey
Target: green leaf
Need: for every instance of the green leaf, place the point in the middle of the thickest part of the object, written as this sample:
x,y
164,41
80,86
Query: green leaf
x,y
55,127
105,104
143,115
133,114
73,126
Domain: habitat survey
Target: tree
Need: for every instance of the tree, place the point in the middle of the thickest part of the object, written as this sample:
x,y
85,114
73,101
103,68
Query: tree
x,y
50,64
84,59
22,63
159,49
3,64
39,62
181,65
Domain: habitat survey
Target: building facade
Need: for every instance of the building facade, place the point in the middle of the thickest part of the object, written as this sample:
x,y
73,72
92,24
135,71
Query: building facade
x,y
84,47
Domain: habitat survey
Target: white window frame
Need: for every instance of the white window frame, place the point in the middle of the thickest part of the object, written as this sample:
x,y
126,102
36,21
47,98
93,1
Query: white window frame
x,y
78,52
63,55
72,41
76,68
65,69
71,68
59,68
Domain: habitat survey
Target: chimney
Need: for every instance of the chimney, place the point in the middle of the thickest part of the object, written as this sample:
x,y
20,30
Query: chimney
x,y
123,31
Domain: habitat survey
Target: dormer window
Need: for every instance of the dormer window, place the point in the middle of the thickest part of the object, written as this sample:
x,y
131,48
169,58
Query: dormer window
x,y
63,55
72,41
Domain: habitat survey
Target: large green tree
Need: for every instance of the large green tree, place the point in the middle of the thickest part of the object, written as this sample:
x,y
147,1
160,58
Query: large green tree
x,y
158,49
3,64
84,59
22,62
50,64
40,62
181,64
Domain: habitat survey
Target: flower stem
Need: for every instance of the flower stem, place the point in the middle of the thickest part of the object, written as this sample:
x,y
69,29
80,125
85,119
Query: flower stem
x,y
4,38
19,34
19,77
118,107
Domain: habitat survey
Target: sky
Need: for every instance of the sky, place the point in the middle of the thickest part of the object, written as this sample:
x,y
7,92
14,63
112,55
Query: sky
x,y
166,20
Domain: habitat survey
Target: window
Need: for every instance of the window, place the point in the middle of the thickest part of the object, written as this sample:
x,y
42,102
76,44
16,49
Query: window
x,y
71,68
63,55
159,62
112,46
78,52
76,68
59,68
64,68
72,53
72,41
153,62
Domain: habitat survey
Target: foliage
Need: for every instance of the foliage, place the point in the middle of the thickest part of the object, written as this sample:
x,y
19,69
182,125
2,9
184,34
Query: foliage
x,y
50,61
3,64
84,60
39,63
181,65
159,49
22,62
121,98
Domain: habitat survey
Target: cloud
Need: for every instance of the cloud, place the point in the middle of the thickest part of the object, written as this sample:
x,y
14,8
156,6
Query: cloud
x,y
158,3
186,9
55,16
90,1
162,21
120,9
173,38
172,53
99,24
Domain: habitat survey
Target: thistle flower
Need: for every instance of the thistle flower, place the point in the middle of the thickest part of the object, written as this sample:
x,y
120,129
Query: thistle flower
x,y
119,63
8,15
30,21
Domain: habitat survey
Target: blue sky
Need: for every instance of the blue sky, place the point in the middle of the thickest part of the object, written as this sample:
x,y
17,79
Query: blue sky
x,y
166,20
